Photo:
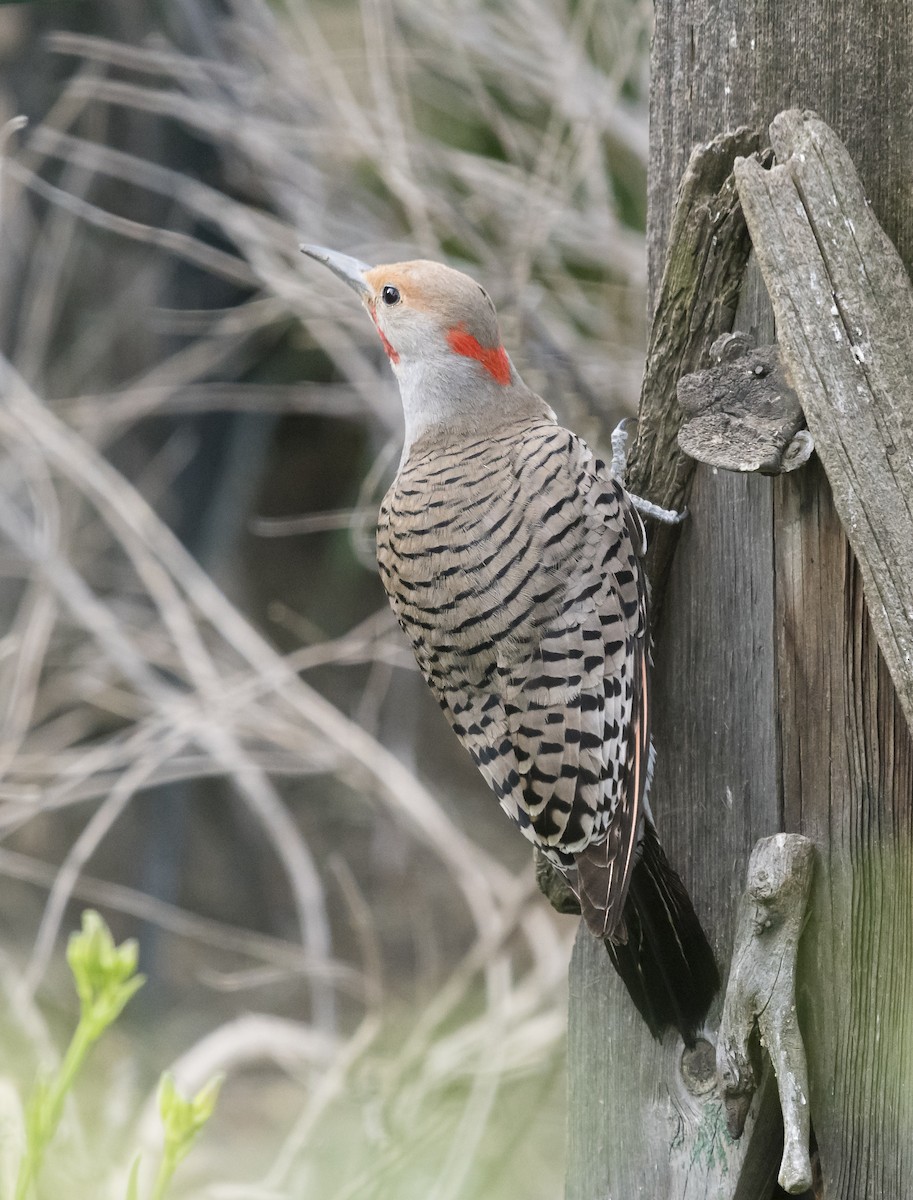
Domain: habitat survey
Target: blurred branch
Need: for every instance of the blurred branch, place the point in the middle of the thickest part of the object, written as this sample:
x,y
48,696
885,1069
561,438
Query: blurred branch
x,y
191,249
125,666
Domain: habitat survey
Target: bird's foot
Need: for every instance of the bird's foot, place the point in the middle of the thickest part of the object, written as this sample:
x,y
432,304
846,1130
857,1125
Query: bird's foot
x,y
554,886
620,436
668,516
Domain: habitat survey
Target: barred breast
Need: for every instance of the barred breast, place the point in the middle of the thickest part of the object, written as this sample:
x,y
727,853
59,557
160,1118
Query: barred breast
x,y
513,563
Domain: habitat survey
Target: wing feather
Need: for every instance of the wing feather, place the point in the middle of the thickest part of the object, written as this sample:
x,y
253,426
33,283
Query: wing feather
x,y
549,692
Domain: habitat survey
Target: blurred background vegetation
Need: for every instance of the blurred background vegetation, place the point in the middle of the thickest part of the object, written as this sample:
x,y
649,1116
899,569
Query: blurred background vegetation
x,y
210,727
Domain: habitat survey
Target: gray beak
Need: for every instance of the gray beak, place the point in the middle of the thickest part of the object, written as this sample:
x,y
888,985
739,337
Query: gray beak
x,y
348,269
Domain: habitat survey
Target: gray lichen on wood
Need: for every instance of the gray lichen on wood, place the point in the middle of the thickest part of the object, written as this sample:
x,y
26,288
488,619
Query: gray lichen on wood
x,y
761,997
741,413
844,309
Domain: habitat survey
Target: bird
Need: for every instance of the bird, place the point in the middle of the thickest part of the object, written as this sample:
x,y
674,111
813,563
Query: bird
x,y
513,560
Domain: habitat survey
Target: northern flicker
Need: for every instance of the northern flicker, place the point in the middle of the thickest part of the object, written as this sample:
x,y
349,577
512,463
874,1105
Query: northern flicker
x,y
513,560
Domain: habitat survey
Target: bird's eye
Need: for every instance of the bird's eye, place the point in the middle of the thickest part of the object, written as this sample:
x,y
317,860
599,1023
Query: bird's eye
x,y
389,294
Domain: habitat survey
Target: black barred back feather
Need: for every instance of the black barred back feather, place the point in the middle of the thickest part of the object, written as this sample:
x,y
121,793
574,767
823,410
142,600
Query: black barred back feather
x,y
513,562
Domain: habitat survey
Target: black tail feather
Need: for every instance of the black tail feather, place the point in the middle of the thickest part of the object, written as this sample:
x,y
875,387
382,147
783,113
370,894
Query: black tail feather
x,y
666,962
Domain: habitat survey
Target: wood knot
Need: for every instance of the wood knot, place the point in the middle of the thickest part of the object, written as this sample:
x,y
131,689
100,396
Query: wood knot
x,y
699,1067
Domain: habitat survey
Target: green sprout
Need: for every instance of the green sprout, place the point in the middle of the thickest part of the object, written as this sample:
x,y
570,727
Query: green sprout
x,y
182,1120
106,979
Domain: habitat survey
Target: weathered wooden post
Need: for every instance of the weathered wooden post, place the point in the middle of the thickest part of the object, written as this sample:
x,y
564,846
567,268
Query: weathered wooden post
x,y
775,709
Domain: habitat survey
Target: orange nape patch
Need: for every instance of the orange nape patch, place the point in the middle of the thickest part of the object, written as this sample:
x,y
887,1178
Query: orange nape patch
x,y
493,358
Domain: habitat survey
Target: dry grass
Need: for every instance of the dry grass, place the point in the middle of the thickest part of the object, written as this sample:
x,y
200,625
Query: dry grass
x,y
484,134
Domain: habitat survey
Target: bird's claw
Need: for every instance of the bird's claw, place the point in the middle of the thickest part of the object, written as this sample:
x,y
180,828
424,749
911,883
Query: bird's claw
x,y
620,448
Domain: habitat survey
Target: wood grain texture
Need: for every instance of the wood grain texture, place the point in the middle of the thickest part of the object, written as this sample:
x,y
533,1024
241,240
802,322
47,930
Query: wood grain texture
x,y
631,1132
847,763
844,309
770,692
719,64
845,323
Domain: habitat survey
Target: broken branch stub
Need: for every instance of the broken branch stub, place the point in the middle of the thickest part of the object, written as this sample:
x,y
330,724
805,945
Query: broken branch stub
x,y
741,414
761,997
844,310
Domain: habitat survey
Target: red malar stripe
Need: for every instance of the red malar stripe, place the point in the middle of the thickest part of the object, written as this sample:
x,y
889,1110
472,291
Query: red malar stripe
x,y
494,359
390,352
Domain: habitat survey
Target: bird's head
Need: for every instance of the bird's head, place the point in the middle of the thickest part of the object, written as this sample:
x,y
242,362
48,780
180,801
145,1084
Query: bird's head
x,y
440,331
